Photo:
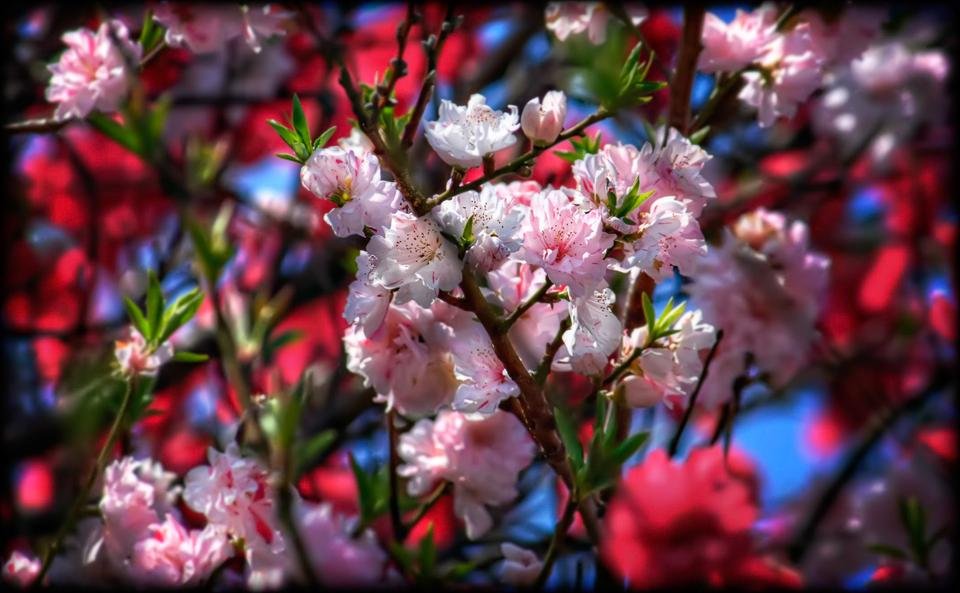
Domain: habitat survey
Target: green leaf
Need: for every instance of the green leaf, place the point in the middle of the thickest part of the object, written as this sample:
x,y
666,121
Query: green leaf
x,y
137,318
698,136
120,134
427,555
151,33
289,157
886,550
313,448
323,138
154,303
568,434
300,122
157,122
629,446
190,357
364,490
467,238
180,313
290,138
648,313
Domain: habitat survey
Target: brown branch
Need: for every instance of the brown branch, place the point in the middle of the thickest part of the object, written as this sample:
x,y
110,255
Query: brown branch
x,y
675,441
682,81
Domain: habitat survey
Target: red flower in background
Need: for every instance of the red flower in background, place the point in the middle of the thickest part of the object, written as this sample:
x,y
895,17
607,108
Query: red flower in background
x,y
675,523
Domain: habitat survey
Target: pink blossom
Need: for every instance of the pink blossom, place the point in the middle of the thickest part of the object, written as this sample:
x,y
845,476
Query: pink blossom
x,y
668,370
669,236
568,243
845,38
764,288
542,123
135,358
518,193
890,91
406,360
262,22
512,284
367,302
413,258
352,181
337,558
727,47
202,28
136,494
594,333
521,567
793,66
496,224
21,570
463,135
484,381
94,73
574,18
205,28
236,494
678,165
173,556
481,457
615,170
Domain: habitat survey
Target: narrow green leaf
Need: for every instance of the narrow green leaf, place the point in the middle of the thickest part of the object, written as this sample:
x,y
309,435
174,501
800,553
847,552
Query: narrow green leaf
x,y
190,357
698,136
289,157
428,554
886,550
287,136
300,122
154,304
137,318
568,434
629,446
323,138
364,489
466,238
314,447
120,134
648,313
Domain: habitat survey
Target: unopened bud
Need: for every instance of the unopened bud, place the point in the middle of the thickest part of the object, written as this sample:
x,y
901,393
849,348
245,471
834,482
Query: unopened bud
x,y
542,123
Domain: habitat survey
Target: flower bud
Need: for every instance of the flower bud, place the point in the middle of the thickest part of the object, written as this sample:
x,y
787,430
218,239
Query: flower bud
x,y
542,123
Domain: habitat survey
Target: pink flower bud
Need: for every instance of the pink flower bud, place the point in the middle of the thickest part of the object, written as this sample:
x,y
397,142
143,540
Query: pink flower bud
x,y
542,123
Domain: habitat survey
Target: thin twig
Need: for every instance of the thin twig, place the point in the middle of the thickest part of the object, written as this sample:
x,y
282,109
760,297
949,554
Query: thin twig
x,y
525,306
874,432
522,160
675,441
559,534
543,369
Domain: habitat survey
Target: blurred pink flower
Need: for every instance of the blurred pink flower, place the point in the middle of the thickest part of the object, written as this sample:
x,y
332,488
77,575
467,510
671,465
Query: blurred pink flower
x,y
134,357
521,567
94,73
727,47
173,556
21,570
